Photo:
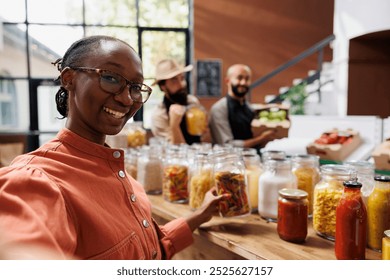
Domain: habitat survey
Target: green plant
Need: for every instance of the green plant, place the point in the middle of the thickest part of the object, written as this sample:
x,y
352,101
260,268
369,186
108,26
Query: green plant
x,y
296,96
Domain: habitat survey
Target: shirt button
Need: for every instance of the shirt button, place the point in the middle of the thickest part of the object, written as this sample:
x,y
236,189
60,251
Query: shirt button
x,y
154,254
116,154
145,223
133,198
122,174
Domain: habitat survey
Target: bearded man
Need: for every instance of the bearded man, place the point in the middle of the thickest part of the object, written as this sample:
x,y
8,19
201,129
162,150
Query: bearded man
x,y
230,117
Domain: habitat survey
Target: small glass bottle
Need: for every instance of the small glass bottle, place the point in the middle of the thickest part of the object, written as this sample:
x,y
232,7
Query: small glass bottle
x,y
276,176
150,169
175,175
386,245
253,170
378,209
229,177
200,179
327,194
365,174
292,215
306,169
351,224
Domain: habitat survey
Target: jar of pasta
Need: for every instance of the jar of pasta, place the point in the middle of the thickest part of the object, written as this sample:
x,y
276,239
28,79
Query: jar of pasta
x,y
386,245
150,169
327,194
175,175
253,170
136,134
365,174
306,169
277,175
200,179
196,119
229,178
378,212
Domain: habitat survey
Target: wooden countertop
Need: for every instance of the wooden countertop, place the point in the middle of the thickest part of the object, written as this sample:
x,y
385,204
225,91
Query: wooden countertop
x,y
249,237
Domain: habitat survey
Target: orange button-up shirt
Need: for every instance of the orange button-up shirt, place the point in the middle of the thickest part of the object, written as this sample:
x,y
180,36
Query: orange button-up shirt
x,y
75,197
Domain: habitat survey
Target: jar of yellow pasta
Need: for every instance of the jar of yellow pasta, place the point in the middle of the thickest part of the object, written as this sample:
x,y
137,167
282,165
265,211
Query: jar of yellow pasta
x,y
200,179
196,119
327,194
306,169
136,134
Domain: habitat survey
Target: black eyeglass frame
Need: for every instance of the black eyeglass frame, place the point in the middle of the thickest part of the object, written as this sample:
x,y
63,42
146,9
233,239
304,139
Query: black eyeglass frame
x,y
142,87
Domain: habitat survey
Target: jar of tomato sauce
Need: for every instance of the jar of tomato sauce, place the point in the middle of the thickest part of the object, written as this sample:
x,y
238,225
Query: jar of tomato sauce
x,y
351,224
292,215
378,211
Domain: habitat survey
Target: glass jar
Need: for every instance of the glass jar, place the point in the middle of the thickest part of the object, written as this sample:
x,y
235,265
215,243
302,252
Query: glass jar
x,y
378,209
150,169
306,169
131,158
365,174
253,170
175,175
386,245
196,119
272,154
136,134
277,175
292,215
351,224
229,178
327,194
200,178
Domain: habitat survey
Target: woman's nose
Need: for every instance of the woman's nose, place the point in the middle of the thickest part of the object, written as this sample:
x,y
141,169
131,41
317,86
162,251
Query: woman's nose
x,y
124,97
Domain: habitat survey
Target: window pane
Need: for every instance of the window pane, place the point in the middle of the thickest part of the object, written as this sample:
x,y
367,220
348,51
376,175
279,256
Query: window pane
x,y
163,13
118,12
13,58
48,43
15,11
129,35
59,11
48,116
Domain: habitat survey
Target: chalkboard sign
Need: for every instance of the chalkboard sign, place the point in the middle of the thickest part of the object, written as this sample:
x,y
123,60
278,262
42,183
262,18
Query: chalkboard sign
x,y
208,82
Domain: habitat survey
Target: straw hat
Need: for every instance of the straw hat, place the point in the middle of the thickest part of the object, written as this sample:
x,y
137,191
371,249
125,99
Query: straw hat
x,y
169,68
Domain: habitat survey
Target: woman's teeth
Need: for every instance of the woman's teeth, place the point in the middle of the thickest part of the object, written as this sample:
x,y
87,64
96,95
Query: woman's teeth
x,y
113,113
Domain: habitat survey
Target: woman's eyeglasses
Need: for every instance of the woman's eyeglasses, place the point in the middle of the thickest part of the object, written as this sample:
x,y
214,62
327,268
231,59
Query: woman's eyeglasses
x,y
114,83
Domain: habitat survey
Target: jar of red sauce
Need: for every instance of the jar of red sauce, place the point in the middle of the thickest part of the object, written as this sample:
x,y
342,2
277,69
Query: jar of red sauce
x,y
351,224
292,215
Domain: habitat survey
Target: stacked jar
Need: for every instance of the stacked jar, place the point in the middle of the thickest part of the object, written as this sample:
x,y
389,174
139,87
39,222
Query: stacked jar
x,y
327,194
175,175
277,175
378,209
306,169
200,179
229,178
150,169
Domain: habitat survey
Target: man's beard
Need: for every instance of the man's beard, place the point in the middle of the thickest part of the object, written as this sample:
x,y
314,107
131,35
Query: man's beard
x,y
238,93
179,97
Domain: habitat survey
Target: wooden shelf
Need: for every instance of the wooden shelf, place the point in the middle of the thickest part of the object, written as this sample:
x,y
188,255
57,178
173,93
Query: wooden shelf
x,y
248,237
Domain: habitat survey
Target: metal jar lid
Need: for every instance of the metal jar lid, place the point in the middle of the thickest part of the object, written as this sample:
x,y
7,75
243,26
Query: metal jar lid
x,y
387,233
382,178
292,193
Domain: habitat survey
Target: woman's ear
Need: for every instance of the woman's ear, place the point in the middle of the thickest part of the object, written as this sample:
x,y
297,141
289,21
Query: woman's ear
x,y
67,78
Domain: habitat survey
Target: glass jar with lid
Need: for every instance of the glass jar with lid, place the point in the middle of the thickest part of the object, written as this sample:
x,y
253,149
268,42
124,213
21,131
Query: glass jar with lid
x,y
327,194
272,154
150,169
386,245
175,174
253,170
136,134
196,119
200,179
306,169
378,210
365,174
131,161
277,175
229,178
292,215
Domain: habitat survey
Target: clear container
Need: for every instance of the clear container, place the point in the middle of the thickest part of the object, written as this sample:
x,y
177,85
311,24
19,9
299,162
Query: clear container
x,y
150,169
200,179
306,169
365,174
136,134
378,209
131,161
253,170
292,215
175,175
277,175
196,119
351,224
386,245
327,194
229,178
272,154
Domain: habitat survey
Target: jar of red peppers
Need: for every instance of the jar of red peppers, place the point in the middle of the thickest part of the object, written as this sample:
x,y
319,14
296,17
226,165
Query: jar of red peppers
x,y
292,215
351,224
229,177
175,175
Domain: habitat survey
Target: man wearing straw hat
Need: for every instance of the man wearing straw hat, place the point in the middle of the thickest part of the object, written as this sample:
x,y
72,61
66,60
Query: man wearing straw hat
x,y
168,119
